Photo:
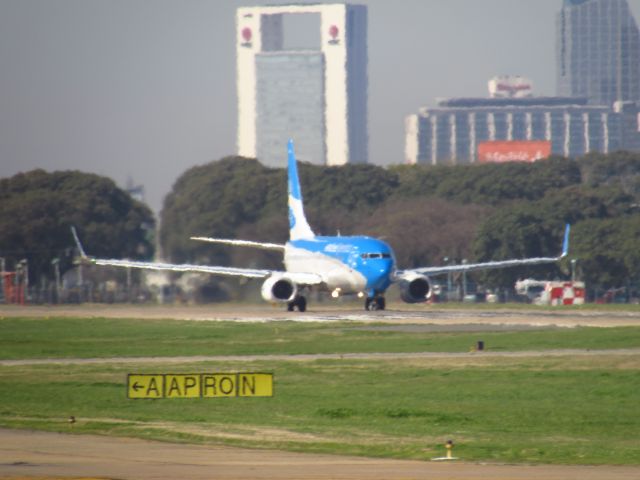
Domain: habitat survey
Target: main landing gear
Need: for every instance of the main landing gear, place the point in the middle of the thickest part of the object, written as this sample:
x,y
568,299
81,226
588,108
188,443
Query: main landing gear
x,y
299,302
375,303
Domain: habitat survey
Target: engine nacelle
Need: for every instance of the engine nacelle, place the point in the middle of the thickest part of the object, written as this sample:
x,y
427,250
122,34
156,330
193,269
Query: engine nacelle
x,y
279,288
415,288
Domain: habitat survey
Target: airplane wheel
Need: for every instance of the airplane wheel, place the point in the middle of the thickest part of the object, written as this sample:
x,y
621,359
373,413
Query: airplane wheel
x,y
299,302
302,304
371,304
382,303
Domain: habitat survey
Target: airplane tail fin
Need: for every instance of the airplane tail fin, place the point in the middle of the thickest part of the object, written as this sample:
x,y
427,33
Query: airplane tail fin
x,y
299,228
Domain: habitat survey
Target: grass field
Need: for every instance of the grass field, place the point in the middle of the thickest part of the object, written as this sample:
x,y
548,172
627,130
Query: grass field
x,y
100,337
565,409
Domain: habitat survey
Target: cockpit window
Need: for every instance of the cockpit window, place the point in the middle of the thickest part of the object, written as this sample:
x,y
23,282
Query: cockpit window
x,y
376,255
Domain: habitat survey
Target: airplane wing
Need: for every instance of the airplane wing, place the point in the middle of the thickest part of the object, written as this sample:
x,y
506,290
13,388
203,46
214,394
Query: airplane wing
x,y
470,267
299,278
183,267
241,243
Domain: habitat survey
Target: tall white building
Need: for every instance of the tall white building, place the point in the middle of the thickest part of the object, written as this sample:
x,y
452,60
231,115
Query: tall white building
x,y
318,97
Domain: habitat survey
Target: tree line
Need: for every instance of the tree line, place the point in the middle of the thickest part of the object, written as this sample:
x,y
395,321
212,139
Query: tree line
x,y
38,208
426,213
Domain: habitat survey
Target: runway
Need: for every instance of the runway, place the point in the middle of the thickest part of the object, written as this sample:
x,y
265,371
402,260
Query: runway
x,y
395,315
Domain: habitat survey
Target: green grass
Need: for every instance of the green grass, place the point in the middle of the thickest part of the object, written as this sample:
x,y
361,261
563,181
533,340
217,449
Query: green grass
x,y
99,337
561,410
533,410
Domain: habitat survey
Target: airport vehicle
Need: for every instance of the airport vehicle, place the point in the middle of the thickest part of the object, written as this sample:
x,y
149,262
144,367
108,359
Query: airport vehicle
x,y
349,265
555,292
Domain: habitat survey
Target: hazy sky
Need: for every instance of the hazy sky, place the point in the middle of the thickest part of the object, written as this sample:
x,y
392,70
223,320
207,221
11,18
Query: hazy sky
x,y
145,89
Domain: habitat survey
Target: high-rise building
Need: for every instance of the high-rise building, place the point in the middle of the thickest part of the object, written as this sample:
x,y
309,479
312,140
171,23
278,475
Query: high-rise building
x,y
469,130
598,76
318,97
598,51
515,125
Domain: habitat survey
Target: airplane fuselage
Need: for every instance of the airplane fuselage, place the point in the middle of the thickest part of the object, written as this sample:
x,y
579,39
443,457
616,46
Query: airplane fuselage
x,y
346,264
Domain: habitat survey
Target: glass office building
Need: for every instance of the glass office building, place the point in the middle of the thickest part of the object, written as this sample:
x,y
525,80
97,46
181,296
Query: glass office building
x,y
598,81
598,51
290,100
452,132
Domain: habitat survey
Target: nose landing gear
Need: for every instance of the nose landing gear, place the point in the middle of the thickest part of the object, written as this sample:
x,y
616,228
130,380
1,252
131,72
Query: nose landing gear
x,y
375,303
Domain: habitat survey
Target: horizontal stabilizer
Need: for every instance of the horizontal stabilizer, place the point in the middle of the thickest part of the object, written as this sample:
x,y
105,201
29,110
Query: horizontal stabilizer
x,y
241,243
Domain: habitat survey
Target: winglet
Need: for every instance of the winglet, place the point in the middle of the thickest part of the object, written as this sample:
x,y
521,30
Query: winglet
x,y
565,243
298,226
78,244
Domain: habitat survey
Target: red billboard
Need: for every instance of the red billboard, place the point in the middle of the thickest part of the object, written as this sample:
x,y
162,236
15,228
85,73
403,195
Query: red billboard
x,y
513,151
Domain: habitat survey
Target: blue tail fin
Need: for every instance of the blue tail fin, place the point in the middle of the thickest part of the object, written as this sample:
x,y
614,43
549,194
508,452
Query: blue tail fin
x,y
298,226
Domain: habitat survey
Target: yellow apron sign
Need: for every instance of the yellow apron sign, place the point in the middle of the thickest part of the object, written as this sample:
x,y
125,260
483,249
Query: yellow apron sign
x,y
199,385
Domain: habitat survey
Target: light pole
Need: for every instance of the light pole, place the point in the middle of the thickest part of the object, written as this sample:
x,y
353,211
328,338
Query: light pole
x,y
129,285
464,281
446,262
56,269
573,269
2,276
24,288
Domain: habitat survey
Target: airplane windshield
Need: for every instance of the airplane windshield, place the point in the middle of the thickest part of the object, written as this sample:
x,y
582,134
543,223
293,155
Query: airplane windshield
x,y
376,255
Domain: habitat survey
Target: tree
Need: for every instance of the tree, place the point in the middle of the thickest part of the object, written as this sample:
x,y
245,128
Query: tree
x,y
488,184
38,208
534,229
214,200
607,250
424,231
478,212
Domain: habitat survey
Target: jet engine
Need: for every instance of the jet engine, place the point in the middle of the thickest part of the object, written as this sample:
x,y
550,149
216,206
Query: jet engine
x,y
414,288
279,288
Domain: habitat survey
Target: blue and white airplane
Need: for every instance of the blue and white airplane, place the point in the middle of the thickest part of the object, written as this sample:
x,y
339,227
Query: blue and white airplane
x,y
359,265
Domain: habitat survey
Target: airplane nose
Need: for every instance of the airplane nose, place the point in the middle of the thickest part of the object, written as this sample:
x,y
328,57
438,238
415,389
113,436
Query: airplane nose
x,y
380,277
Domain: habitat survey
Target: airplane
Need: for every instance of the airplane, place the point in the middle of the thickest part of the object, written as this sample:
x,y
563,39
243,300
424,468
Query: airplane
x,y
348,265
